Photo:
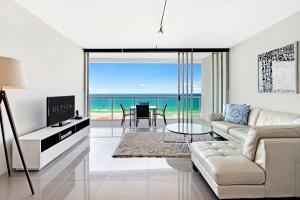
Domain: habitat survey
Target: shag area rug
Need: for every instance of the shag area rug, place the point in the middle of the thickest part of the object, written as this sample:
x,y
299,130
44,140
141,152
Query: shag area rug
x,y
145,144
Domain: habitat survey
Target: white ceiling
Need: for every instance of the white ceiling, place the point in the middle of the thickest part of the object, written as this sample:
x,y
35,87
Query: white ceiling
x,y
134,23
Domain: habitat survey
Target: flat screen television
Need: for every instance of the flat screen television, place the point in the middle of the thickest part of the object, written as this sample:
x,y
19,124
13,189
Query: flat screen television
x,y
60,110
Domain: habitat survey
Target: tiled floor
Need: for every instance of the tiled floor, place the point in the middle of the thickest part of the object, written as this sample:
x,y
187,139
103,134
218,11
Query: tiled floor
x,y
87,171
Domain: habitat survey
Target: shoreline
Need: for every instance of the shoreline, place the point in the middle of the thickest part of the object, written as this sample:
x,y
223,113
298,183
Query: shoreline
x,y
118,116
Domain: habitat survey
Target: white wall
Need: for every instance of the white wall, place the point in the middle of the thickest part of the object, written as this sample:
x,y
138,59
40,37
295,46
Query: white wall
x,y
53,66
243,67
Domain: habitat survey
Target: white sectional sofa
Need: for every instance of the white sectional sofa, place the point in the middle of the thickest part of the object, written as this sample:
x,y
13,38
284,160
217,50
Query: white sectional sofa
x,y
261,159
257,117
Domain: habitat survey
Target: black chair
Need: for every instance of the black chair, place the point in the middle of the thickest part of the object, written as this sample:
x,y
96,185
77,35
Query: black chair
x,y
125,115
142,112
144,103
162,113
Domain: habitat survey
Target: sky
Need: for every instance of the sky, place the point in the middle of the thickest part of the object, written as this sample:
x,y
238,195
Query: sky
x,y
137,78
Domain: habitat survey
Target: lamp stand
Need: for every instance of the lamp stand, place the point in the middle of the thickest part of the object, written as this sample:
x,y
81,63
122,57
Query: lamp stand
x,y
3,97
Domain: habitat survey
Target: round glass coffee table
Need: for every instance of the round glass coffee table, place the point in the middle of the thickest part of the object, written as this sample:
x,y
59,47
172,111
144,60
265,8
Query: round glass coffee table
x,y
190,129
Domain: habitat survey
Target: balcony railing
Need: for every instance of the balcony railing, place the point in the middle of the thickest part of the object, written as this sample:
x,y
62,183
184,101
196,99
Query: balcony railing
x,y
108,107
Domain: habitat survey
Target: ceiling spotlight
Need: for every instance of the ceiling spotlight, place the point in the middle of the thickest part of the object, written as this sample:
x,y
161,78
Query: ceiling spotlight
x,y
162,19
161,30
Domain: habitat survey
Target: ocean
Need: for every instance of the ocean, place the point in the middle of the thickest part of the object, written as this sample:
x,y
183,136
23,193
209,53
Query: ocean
x,y
107,106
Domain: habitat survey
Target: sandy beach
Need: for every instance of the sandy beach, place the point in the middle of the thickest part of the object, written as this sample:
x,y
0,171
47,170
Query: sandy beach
x,y
116,115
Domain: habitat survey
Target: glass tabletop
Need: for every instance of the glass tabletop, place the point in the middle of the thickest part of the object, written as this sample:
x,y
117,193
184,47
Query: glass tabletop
x,y
188,128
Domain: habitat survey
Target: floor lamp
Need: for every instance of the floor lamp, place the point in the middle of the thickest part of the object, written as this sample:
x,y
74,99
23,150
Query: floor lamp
x,y
11,77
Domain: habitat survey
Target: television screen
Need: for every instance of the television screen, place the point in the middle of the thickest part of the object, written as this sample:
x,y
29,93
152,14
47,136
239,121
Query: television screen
x,y
60,109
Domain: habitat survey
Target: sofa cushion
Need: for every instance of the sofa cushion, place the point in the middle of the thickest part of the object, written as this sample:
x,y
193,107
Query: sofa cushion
x,y
295,122
224,163
215,117
270,118
253,116
225,126
257,133
237,114
239,133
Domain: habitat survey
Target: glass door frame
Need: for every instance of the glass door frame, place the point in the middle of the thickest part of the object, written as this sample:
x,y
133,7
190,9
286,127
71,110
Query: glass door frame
x,y
143,50
185,91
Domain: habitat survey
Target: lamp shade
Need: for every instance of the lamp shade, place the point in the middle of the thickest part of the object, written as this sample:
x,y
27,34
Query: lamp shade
x,y
11,74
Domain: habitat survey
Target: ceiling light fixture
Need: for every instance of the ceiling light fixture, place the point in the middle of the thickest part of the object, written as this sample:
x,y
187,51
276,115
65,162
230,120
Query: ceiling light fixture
x,y
162,19
161,31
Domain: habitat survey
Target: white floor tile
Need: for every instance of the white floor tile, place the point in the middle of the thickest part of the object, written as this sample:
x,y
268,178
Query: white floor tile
x,y
90,172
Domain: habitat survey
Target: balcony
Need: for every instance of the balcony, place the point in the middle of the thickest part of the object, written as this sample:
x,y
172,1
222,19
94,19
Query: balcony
x,y
107,107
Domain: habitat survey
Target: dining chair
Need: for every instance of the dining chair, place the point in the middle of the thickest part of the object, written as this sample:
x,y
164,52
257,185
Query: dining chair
x,y
125,114
162,113
142,112
144,103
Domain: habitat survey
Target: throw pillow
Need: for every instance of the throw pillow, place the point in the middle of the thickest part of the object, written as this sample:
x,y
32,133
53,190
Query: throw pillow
x,y
225,107
238,114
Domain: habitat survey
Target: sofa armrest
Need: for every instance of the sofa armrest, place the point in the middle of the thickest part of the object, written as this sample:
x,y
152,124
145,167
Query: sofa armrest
x,y
263,132
216,117
280,157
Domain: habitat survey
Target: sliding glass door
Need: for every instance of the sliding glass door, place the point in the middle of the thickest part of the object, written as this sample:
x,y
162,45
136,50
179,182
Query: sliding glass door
x,y
189,87
174,78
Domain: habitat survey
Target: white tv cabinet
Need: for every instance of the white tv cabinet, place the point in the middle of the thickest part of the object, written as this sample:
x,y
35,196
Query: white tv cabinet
x,y
42,146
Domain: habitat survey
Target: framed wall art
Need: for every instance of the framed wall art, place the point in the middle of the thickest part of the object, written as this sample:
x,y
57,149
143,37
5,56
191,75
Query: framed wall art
x,y
278,70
